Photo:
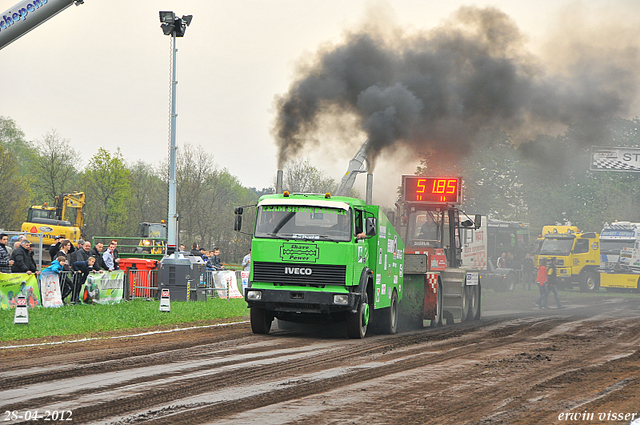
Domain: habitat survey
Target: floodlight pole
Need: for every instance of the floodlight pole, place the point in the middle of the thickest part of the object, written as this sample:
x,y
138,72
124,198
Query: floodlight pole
x,y
172,233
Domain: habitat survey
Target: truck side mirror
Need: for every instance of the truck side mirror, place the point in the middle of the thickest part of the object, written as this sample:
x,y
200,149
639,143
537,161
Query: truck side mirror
x,y
370,226
237,225
477,222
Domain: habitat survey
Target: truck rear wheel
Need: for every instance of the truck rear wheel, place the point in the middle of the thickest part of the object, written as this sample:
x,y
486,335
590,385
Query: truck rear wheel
x,y
438,319
358,322
260,320
390,323
474,302
589,282
464,304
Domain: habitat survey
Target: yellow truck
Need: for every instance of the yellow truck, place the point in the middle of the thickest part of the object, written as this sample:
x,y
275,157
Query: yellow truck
x,y
620,256
577,256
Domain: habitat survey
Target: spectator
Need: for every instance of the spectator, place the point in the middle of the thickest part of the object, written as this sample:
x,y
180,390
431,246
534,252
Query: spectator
x,y
96,252
116,258
5,259
65,246
22,259
109,257
552,281
81,254
57,265
541,279
510,261
181,248
528,269
18,241
55,247
502,261
195,250
246,262
82,269
215,259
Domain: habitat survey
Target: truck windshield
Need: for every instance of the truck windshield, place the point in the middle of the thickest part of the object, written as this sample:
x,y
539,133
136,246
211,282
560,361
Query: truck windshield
x,y
303,222
424,229
613,247
556,246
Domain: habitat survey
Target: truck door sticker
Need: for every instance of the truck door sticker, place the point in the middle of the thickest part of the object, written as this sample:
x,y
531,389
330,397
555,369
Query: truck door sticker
x,y
299,252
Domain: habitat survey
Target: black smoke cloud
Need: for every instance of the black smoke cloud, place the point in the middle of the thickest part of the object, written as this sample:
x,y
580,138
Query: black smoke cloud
x,y
437,90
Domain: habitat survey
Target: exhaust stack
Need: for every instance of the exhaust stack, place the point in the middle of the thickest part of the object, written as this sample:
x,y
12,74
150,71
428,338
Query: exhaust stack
x,y
369,195
279,177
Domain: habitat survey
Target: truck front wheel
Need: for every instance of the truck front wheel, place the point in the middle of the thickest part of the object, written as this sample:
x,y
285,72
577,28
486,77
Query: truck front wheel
x,y
589,282
260,320
358,322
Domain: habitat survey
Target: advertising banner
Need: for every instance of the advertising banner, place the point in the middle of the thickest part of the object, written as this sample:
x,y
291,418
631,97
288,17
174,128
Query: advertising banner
x,y
13,284
51,293
226,279
103,288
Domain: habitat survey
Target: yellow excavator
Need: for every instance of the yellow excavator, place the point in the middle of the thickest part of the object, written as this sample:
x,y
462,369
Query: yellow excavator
x,y
65,218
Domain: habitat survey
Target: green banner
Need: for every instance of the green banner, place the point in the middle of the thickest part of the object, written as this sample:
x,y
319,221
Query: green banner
x,y
103,288
13,284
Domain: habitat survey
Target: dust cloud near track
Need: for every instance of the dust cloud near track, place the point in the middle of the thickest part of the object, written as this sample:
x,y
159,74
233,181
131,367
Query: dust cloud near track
x,y
516,365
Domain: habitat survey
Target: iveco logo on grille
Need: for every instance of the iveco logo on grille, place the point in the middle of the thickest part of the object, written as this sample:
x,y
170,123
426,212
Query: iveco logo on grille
x,y
298,270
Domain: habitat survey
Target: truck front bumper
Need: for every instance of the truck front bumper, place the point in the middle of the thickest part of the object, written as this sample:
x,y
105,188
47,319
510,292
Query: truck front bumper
x,y
302,302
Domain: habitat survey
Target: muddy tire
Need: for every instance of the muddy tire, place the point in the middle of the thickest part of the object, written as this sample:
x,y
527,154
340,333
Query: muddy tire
x,y
390,320
260,320
358,322
464,304
589,282
438,319
474,303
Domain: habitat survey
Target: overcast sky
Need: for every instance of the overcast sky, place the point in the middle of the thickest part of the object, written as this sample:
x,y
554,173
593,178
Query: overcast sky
x,y
99,73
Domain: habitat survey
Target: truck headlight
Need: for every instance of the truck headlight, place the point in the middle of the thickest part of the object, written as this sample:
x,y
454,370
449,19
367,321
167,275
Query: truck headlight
x,y
254,295
342,299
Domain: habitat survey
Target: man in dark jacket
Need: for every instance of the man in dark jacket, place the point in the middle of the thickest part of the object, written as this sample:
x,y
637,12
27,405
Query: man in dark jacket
x,y
5,259
22,260
81,254
96,252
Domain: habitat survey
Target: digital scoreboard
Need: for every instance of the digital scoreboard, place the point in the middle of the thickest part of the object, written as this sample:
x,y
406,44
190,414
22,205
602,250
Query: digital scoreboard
x,y
432,190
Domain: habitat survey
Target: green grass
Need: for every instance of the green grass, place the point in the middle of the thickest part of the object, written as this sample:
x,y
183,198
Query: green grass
x,y
89,320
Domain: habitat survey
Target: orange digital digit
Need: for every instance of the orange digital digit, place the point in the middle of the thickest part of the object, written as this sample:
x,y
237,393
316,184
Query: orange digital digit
x,y
421,186
451,186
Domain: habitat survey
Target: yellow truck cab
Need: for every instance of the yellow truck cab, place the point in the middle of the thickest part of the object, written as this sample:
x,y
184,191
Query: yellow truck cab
x,y
577,256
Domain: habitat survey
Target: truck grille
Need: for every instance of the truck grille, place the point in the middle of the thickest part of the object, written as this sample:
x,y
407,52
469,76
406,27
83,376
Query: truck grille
x,y
299,274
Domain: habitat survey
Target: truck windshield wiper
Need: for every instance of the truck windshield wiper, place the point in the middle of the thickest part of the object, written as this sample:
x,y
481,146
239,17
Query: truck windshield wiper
x,y
275,235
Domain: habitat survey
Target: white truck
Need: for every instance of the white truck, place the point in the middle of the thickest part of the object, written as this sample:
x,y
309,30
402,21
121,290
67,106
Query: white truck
x,y
620,256
482,247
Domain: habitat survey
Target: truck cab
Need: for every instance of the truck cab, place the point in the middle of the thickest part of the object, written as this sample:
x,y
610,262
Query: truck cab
x,y
577,257
319,258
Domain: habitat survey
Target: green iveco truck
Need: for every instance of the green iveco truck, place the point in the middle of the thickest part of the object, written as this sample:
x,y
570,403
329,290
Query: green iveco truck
x,y
322,258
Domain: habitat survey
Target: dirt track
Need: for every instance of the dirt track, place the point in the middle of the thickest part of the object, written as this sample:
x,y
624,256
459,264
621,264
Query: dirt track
x,y
516,365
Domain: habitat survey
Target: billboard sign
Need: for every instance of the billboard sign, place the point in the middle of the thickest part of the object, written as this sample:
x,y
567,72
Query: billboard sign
x,y
613,158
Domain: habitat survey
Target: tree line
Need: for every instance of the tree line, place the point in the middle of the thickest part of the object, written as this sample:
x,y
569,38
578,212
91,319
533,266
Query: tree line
x,y
543,181
120,195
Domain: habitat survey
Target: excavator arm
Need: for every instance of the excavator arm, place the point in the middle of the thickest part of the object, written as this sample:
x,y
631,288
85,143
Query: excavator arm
x,y
28,14
356,165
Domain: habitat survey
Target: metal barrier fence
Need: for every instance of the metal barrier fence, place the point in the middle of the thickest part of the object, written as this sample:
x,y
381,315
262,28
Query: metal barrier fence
x,y
73,281
144,284
141,284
